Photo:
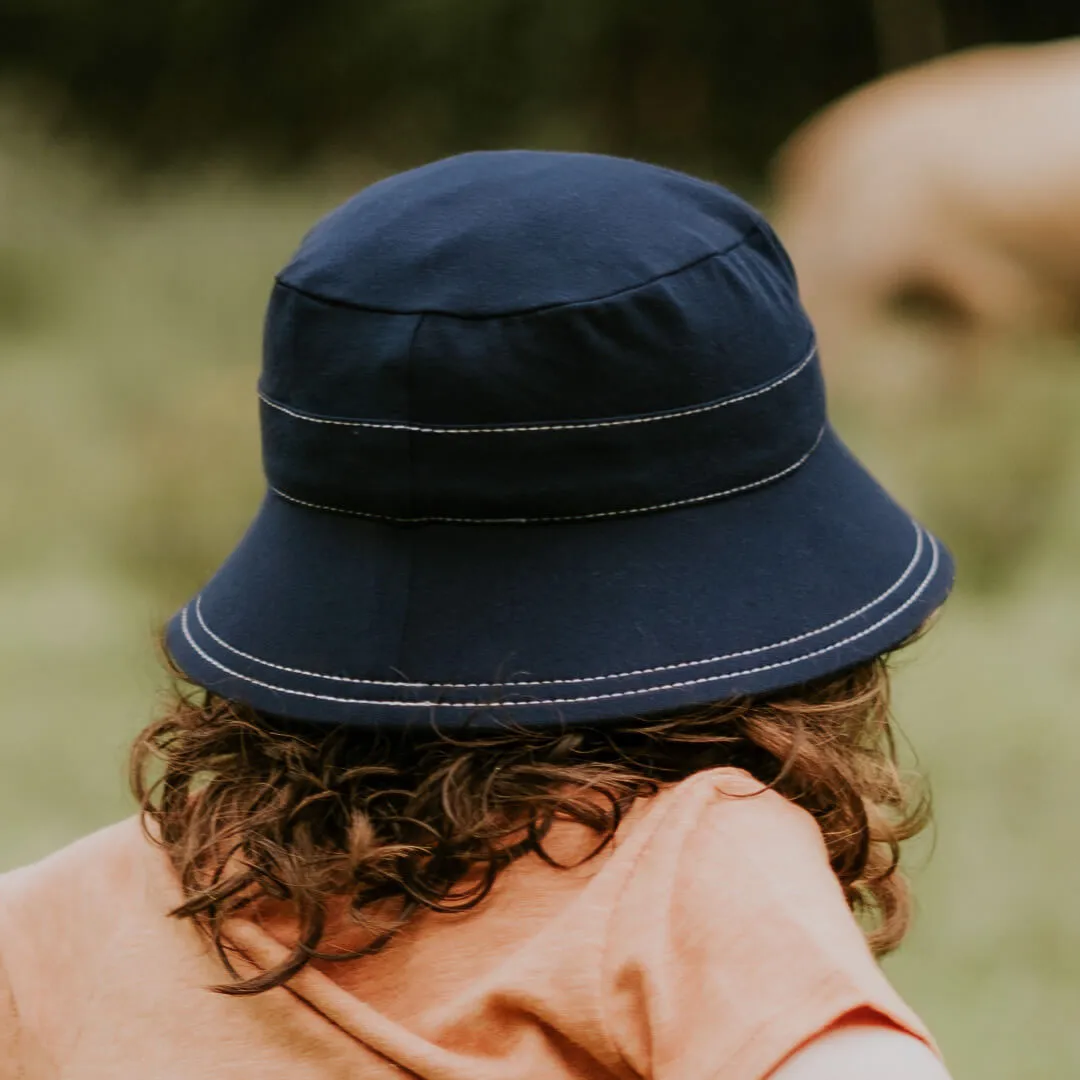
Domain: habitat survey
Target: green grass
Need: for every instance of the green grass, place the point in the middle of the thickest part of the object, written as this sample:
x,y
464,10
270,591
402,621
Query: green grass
x,y
129,345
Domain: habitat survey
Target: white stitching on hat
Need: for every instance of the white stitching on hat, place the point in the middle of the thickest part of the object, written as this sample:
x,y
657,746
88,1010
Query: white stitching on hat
x,y
582,699
580,678
434,520
509,429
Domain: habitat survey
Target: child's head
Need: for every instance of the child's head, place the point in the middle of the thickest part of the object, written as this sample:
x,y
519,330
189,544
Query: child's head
x,y
554,515
390,822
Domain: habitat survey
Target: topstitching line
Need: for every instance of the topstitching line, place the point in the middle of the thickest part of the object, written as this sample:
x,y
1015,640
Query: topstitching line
x,y
583,699
516,429
575,680
434,519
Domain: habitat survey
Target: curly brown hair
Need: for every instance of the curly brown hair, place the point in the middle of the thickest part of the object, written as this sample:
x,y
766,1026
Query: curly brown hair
x,y
251,807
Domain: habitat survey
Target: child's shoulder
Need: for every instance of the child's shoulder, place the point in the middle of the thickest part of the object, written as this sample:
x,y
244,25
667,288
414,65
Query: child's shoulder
x,y
105,857
729,801
77,897
723,833
729,924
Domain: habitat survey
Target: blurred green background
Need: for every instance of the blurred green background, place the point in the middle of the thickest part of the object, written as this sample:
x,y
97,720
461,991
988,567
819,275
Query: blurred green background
x,y
158,164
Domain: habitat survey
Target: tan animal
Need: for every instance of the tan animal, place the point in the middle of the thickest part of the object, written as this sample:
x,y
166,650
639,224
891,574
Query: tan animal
x,y
956,182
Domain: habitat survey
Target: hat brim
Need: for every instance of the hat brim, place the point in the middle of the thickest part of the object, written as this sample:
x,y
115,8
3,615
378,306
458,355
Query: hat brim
x,y
323,616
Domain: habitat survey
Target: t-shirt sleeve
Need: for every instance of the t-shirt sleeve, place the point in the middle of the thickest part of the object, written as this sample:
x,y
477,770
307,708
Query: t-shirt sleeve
x,y
732,944
10,1052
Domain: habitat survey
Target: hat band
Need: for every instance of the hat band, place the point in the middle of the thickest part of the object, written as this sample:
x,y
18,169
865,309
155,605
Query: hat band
x,y
536,472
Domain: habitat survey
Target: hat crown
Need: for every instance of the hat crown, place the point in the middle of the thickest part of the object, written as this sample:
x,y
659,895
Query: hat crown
x,y
546,441
535,290
507,232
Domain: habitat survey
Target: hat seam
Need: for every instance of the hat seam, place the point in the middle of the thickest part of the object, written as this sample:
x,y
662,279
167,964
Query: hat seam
x,y
599,515
514,313
581,699
407,542
568,425
578,679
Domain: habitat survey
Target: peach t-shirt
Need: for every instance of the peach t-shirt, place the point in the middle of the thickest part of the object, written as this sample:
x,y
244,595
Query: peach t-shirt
x,y
707,943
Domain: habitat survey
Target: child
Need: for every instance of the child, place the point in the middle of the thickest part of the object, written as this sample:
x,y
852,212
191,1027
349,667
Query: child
x,y
538,726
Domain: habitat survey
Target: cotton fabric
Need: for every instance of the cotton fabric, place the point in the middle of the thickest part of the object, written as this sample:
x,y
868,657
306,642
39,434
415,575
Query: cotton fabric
x,y
545,438
708,943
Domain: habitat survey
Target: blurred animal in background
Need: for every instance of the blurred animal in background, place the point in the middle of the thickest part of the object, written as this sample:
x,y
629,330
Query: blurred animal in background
x,y
949,190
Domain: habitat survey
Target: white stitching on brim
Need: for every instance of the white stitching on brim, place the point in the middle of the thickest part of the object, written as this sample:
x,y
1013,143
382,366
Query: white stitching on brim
x,y
513,683
515,429
581,699
436,520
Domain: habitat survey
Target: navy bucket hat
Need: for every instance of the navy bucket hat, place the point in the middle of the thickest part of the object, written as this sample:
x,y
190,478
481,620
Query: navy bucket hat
x,y
546,441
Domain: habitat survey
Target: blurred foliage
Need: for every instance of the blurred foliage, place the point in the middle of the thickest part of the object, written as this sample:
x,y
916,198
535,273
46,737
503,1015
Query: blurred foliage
x,y
129,346
709,85
990,456
423,76
129,349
